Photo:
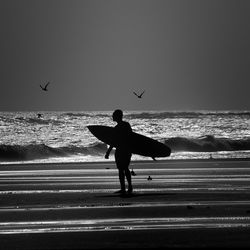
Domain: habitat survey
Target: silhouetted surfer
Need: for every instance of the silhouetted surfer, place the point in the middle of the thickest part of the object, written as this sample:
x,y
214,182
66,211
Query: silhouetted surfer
x,y
122,153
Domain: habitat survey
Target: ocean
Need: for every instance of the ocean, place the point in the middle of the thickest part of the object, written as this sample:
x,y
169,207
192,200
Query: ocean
x,y
55,137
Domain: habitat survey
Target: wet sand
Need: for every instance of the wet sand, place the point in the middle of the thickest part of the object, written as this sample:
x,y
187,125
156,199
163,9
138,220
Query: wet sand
x,y
73,206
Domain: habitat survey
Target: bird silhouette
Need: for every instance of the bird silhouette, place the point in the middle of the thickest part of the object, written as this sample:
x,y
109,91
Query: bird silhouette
x,y
149,178
45,87
139,96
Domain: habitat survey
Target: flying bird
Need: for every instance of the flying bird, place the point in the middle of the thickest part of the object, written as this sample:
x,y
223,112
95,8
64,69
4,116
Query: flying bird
x,y
45,87
139,96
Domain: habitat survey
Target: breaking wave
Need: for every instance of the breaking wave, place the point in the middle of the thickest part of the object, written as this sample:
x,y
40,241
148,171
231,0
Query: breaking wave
x,y
207,144
39,151
177,144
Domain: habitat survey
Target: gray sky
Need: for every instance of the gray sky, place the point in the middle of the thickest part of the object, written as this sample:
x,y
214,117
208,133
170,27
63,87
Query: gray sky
x,y
186,54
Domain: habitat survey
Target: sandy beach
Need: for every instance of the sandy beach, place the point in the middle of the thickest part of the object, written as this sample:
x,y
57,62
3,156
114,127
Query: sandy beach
x,y
199,203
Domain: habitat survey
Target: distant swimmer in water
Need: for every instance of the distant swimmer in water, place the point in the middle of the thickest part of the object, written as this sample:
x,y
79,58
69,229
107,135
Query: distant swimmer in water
x,y
45,88
139,96
122,153
39,115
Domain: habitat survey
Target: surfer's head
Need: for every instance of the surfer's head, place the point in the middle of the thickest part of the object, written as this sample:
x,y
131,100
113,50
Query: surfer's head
x,y
117,115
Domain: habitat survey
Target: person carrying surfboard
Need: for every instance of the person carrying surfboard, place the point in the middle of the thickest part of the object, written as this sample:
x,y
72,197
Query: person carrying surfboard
x,y
122,153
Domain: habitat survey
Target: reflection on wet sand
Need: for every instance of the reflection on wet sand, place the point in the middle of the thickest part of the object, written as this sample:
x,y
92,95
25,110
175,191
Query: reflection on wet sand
x,y
80,198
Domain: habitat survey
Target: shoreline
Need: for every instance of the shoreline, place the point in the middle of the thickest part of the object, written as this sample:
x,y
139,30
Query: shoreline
x,y
132,162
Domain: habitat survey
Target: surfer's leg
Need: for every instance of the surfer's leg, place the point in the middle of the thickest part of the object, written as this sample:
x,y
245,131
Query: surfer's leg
x,y
128,177
121,172
128,173
122,179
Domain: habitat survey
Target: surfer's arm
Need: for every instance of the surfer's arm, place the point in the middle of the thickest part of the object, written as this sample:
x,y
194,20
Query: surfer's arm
x,y
108,152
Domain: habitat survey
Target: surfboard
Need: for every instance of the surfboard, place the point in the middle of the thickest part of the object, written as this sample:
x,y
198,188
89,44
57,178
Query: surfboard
x,y
134,142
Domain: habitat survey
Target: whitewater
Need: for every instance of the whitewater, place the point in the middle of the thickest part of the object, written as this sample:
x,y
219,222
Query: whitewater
x,y
26,137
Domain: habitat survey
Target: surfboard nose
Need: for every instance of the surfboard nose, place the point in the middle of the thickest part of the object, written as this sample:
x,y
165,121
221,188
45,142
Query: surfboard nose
x,y
90,127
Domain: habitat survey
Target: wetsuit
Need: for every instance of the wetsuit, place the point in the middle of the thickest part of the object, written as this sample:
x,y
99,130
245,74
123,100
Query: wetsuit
x,y
122,153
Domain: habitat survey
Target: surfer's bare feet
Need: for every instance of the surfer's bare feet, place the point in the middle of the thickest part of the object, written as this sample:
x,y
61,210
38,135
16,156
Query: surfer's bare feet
x,y
121,191
130,190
